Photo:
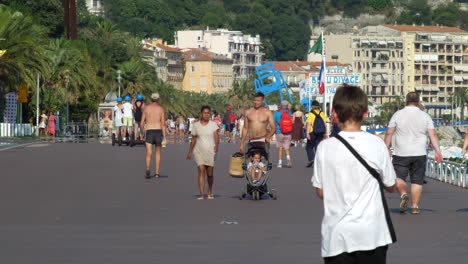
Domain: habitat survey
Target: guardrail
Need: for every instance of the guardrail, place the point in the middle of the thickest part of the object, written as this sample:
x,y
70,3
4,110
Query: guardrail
x,y
15,130
447,171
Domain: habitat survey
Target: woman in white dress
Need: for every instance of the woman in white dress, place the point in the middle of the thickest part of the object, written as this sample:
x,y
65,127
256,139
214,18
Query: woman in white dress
x,y
204,146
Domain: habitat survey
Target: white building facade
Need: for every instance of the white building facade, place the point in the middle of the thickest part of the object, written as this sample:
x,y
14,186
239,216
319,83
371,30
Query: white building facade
x,y
95,7
243,49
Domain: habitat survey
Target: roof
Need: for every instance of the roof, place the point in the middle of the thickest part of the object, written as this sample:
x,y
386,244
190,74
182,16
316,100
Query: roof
x,y
285,66
425,28
167,48
200,55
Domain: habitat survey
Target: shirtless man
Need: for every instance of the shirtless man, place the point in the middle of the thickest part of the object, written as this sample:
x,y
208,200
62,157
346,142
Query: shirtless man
x,y
153,129
259,123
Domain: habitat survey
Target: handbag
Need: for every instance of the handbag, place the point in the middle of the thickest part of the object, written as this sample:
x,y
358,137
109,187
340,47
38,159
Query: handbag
x,y
376,175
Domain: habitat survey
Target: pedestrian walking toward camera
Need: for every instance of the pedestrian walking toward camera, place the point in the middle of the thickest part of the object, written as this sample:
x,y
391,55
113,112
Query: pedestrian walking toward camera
x,y
351,172
204,146
298,125
315,131
153,125
284,129
51,124
127,117
411,127
229,120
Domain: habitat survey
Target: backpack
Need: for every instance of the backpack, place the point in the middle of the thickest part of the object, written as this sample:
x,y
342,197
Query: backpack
x,y
138,112
286,123
319,125
232,117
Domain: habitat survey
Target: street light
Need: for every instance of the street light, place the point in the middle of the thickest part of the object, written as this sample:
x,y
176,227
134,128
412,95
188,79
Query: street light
x,y
119,78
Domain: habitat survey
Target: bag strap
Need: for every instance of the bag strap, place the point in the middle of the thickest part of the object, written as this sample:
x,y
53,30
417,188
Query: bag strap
x,y
376,175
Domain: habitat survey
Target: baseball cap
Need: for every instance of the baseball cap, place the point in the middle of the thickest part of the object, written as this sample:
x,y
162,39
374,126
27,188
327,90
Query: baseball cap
x,y
228,108
316,103
284,103
155,96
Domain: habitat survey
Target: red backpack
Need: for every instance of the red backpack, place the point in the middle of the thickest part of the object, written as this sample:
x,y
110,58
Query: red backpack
x,y
286,123
232,117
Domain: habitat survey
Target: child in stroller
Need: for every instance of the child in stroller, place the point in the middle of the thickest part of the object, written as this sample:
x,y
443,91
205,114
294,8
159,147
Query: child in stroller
x,y
255,172
256,167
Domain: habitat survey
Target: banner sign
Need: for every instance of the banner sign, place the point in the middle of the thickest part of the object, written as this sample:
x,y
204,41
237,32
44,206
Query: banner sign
x,y
9,115
333,80
23,93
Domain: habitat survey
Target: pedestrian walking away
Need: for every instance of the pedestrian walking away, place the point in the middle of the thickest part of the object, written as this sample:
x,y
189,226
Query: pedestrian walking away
x,y
51,124
298,126
356,226
204,146
259,125
410,128
284,129
42,125
229,120
138,109
315,131
153,124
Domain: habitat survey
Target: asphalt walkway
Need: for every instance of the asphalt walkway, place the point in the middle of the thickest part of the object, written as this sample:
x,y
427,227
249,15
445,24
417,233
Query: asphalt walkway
x,y
89,203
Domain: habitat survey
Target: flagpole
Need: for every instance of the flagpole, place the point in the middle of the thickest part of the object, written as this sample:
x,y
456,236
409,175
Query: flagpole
x,y
324,74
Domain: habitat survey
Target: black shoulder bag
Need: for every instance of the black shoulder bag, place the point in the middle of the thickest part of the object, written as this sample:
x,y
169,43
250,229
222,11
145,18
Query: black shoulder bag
x,y
376,175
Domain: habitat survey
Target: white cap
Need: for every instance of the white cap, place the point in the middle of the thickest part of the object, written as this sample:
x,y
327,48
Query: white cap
x,y
155,96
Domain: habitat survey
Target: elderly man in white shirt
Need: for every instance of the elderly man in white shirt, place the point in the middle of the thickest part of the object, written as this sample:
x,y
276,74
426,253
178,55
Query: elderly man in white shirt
x,y
411,128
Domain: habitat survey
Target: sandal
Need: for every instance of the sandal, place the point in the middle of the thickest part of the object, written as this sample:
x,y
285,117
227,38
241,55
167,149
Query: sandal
x,y
156,175
201,198
210,197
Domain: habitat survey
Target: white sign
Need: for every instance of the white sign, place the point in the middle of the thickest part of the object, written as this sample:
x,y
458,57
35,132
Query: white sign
x,y
309,87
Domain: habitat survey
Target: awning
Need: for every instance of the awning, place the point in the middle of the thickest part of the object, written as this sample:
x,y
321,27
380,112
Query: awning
x,y
364,41
382,43
426,44
390,42
384,76
458,78
435,89
417,57
465,68
422,34
465,77
427,88
418,88
438,38
433,58
459,68
373,41
426,57
399,41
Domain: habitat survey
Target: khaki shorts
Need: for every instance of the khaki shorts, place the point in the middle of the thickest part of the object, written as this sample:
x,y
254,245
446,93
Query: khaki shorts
x,y
128,121
283,141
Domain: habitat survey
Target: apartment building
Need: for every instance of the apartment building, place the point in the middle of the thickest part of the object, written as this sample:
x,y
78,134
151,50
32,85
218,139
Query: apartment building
x,y
95,7
207,72
166,60
244,50
396,59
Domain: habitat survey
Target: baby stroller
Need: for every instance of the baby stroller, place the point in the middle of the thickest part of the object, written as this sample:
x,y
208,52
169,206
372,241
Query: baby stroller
x,y
259,189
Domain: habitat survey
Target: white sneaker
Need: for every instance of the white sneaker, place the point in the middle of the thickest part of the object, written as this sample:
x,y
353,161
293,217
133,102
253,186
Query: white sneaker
x,y
280,165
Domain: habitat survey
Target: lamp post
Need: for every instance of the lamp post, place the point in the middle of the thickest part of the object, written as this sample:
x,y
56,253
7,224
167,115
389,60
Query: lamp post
x,y
119,78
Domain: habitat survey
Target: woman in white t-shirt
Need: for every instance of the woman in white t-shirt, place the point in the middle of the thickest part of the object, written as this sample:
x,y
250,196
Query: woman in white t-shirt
x,y
204,146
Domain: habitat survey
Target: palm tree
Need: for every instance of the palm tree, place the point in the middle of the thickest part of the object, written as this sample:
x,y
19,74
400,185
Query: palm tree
x,y
24,57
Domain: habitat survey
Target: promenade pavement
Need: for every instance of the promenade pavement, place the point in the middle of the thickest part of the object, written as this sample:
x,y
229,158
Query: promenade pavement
x,y
89,203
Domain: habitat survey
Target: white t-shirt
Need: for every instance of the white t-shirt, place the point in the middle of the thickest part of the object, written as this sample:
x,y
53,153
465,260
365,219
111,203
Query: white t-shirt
x,y
118,112
128,110
411,125
262,165
354,216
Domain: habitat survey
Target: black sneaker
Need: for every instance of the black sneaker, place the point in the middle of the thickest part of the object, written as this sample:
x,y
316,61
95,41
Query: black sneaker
x,y
310,163
147,175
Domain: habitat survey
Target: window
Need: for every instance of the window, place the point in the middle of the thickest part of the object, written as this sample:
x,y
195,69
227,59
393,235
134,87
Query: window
x,y
202,82
199,38
193,83
193,68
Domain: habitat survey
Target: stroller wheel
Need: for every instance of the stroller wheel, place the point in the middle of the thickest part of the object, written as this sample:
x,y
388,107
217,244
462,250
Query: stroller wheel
x,y
273,196
113,139
255,195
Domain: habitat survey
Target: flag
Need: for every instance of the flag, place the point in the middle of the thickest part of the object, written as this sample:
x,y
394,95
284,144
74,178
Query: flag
x,y
322,77
318,46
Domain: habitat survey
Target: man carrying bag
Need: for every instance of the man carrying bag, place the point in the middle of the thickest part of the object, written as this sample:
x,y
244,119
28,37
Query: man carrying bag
x,y
351,172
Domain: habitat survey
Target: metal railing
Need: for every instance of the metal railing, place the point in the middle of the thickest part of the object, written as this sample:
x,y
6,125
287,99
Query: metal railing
x,y
447,171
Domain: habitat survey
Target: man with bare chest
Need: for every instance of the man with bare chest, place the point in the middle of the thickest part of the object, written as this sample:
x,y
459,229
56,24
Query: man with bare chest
x,y
152,125
259,124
